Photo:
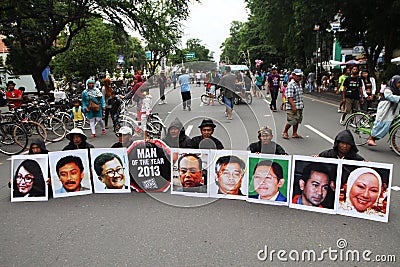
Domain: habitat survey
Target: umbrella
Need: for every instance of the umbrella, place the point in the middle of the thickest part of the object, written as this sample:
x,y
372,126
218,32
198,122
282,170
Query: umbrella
x,y
396,60
351,62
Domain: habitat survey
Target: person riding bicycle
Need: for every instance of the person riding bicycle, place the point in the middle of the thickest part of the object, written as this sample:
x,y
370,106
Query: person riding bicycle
x,y
388,108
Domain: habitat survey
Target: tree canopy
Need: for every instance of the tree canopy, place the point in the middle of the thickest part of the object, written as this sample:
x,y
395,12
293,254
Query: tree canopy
x,y
282,32
33,28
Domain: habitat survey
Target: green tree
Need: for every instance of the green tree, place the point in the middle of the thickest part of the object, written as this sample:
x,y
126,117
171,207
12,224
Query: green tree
x,y
375,25
91,51
32,28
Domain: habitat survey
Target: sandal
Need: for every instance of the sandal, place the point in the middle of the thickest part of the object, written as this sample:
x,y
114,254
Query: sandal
x,y
371,143
297,136
285,136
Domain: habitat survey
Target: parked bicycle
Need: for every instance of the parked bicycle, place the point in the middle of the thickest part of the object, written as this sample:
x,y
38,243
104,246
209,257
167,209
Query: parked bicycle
x,y
13,138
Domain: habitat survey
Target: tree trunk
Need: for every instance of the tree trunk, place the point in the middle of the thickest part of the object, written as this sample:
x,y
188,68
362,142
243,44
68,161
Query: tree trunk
x,y
39,82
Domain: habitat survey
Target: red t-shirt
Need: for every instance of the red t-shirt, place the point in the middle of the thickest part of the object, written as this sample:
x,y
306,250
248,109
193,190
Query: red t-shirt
x,y
12,94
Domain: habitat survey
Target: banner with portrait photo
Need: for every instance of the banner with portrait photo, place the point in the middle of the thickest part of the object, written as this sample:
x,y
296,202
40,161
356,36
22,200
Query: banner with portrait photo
x,y
269,179
314,181
149,165
189,172
70,173
110,170
228,174
364,190
29,174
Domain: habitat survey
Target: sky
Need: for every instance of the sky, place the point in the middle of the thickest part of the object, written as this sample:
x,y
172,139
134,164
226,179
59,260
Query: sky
x,y
211,20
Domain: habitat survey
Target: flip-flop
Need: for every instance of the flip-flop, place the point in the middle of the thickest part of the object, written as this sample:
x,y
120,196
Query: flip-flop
x,y
297,136
370,143
285,136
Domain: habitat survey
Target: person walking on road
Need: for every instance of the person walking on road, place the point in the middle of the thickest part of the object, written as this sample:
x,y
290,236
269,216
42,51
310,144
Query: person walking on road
x,y
294,105
228,84
340,87
162,84
92,94
274,86
311,80
352,93
184,82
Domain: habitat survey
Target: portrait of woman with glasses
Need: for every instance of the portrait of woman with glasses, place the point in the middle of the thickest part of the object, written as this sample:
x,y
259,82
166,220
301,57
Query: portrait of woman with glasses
x,y
28,180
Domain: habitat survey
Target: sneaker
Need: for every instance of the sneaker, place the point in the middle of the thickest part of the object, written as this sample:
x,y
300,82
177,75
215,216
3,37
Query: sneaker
x,y
161,102
342,121
92,136
189,108
339,111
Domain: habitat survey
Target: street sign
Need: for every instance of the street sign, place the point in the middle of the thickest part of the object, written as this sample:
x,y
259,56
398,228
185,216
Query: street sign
x,y
190,55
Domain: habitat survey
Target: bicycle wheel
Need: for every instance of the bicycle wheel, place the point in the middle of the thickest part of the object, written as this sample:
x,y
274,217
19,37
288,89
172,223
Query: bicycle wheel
x,y
118,124
35,130
249,98
55,128
86,123
221,99
13,138
65,117
358,124
394,139
155,130
205,98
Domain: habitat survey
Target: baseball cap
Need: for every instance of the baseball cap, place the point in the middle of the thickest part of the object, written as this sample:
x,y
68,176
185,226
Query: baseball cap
x,y
297,72
125,130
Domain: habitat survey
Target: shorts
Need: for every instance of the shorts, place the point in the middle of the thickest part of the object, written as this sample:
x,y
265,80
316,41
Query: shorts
x,y
284,100
294,118
351,104
229,102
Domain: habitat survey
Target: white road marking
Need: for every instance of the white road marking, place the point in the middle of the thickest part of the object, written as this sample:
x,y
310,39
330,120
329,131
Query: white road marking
x,y
395,188
327,138
322,101
188,130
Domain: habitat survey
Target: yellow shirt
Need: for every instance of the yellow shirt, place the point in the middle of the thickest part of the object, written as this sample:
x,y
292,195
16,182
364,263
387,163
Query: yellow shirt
x,y
77,113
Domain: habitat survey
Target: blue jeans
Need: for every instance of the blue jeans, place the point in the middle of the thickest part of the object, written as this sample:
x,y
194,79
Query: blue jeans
x,y
229,102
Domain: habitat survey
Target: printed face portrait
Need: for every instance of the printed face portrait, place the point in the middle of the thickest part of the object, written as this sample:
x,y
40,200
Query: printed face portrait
x,y
113,174
70,176
24,180
190,173
364,192
229,178
314,191
266,182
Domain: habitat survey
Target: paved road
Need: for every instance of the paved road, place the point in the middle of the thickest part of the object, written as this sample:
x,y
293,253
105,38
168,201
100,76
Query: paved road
x,y
148,230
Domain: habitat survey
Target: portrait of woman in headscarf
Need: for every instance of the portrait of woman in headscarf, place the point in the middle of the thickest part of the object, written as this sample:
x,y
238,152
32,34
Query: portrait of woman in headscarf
x,y
362,191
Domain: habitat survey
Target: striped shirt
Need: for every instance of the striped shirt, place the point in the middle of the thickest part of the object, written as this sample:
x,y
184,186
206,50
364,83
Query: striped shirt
x,y
294,91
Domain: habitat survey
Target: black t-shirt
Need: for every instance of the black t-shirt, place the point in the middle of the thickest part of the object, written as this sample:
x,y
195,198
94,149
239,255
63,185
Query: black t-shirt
x,y
352,85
